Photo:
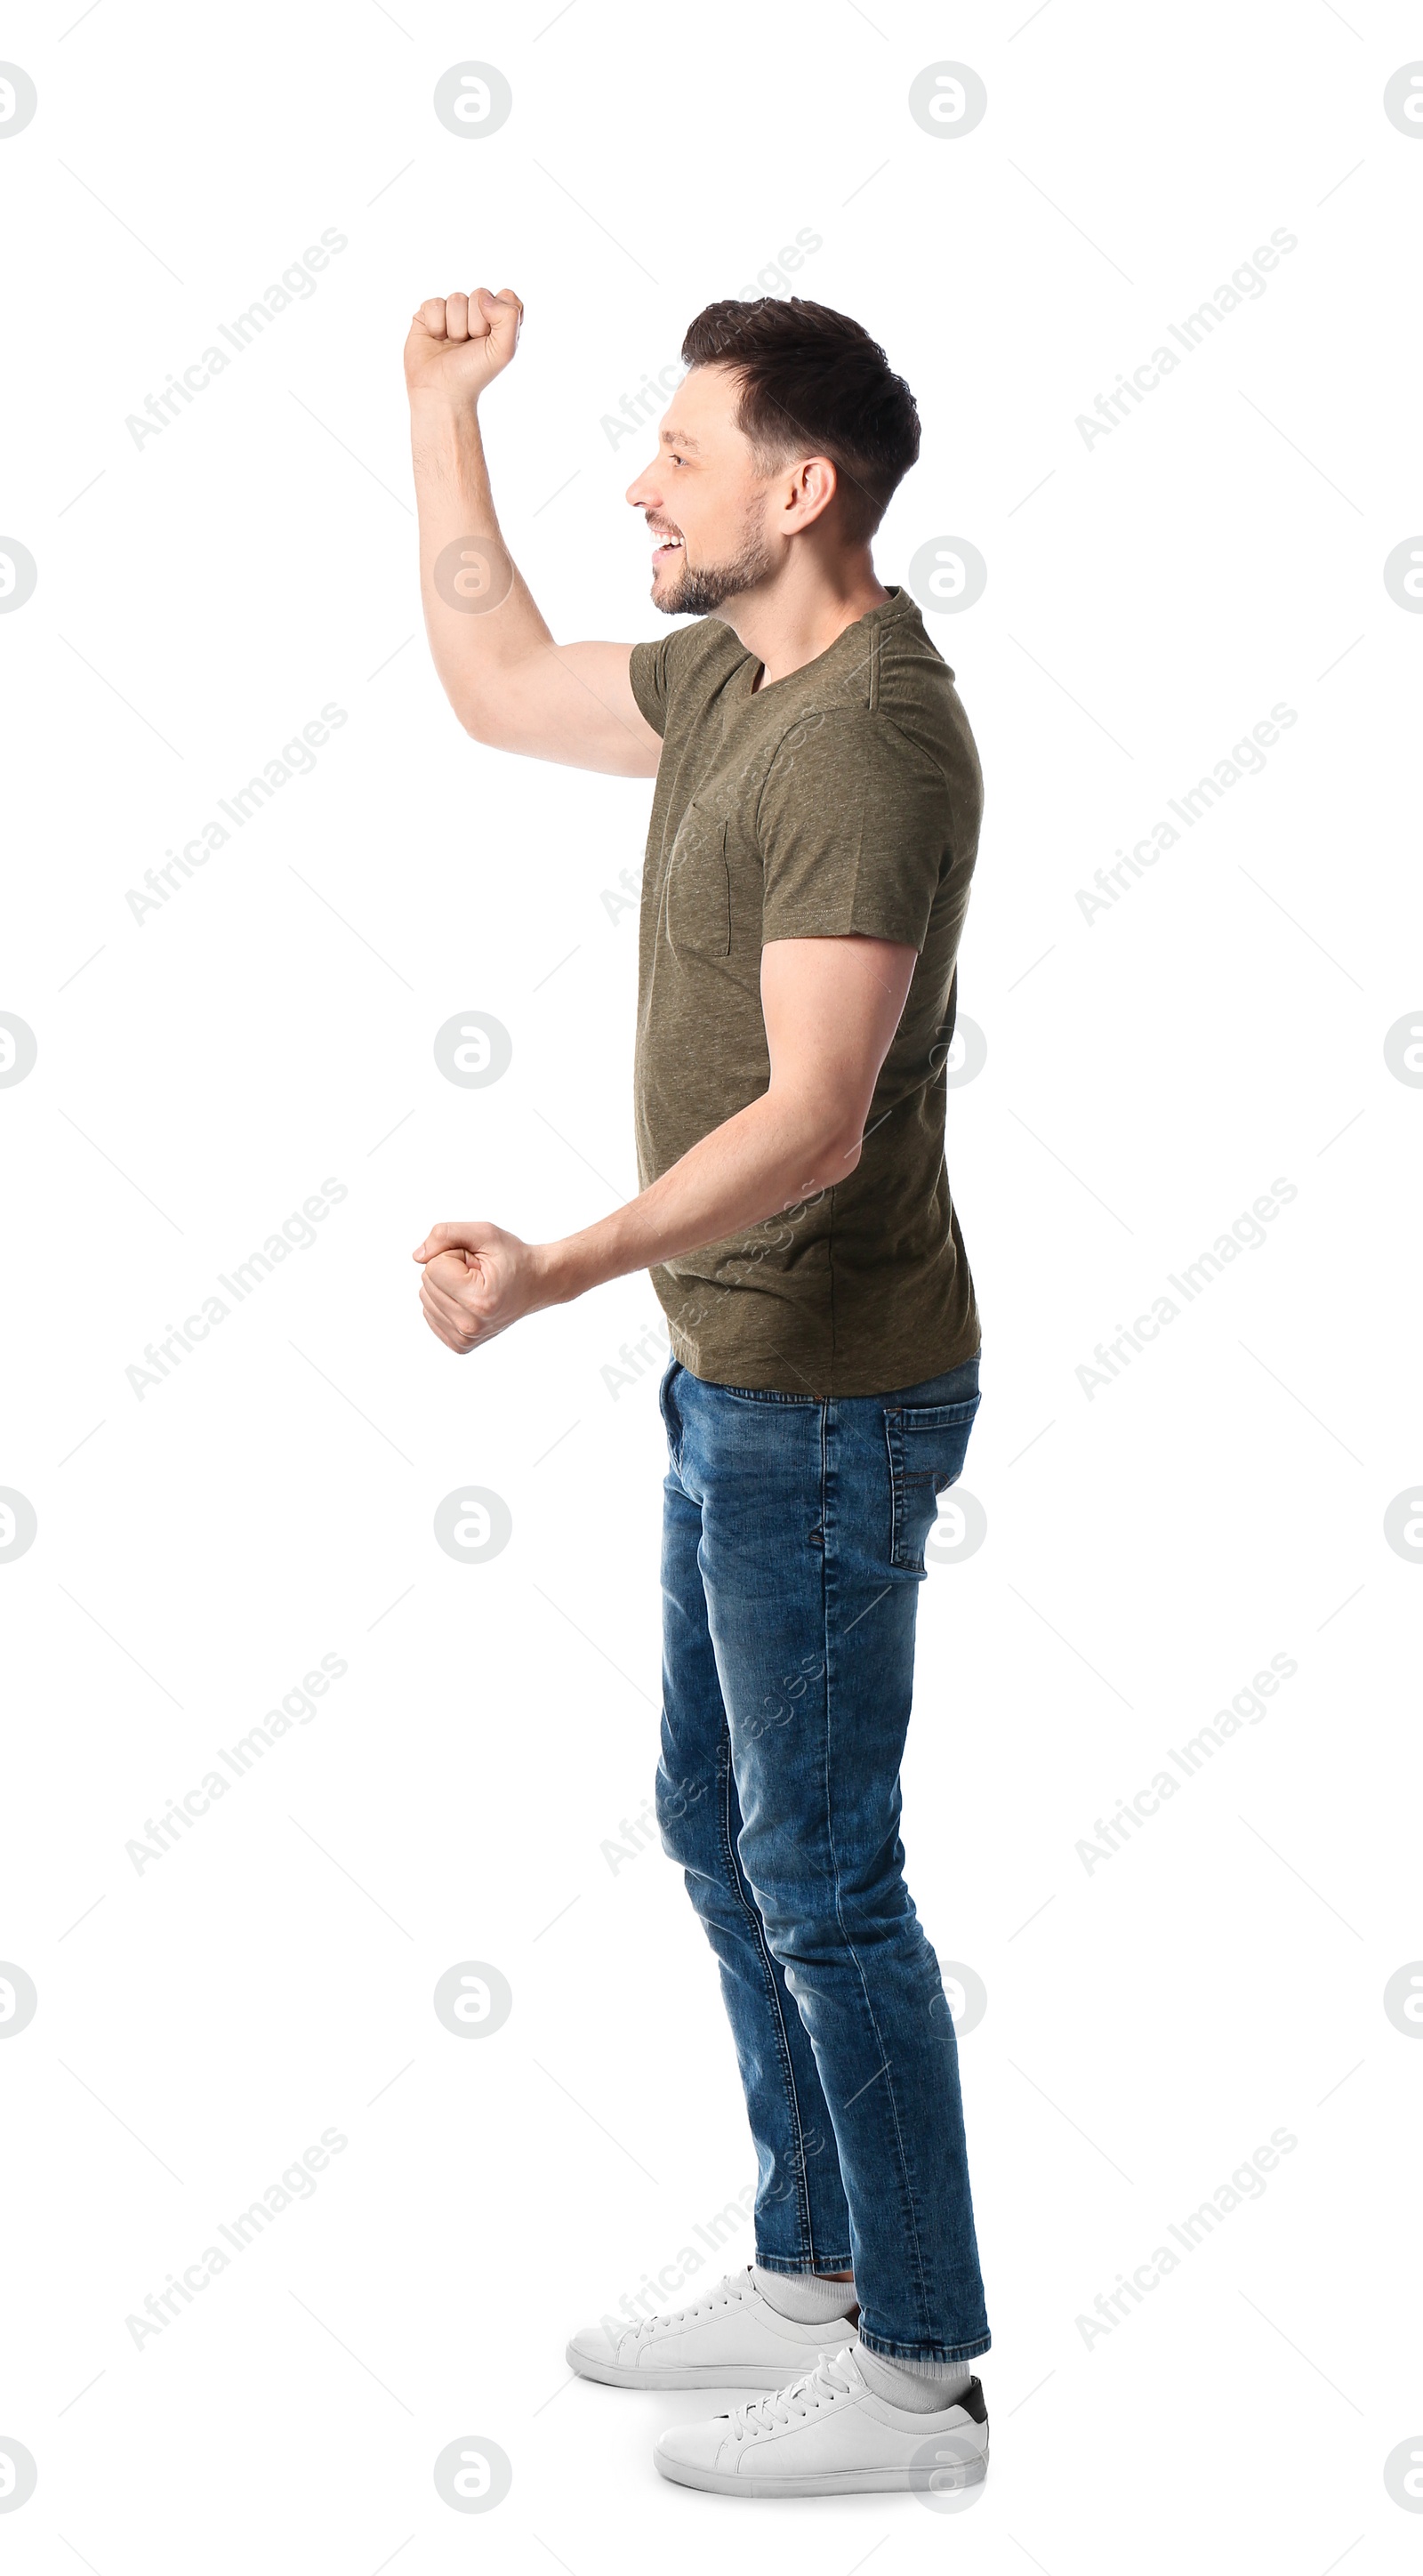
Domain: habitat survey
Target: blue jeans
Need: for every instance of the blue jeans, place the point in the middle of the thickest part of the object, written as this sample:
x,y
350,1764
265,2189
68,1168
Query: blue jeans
x,y
793,1551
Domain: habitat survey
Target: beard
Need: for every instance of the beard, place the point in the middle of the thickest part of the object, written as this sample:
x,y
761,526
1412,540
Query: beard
x,y
700,591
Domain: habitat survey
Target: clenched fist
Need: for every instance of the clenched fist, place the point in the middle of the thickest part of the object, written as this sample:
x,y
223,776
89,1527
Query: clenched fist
x,y
477,1281
459,343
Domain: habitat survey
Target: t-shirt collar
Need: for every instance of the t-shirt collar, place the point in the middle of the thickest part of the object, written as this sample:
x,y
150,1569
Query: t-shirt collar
x,y
899,603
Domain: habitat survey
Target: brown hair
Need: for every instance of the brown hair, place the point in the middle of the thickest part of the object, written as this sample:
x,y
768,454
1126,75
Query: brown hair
x,y
812,377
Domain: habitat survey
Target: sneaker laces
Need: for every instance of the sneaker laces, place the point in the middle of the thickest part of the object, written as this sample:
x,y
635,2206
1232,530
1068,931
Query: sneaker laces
x,y
834,2376
731,2288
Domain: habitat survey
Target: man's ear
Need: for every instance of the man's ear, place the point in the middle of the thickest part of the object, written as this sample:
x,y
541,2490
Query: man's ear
x,y
817,482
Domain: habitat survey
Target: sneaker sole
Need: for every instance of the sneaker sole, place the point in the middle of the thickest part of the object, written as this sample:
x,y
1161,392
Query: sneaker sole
x,y
699,2374
833,2482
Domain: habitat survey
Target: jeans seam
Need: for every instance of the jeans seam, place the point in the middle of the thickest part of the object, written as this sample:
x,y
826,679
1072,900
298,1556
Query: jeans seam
x,y
782,2043
765,1395
895,1486
674,1453
850,1950
967,2351
820,2269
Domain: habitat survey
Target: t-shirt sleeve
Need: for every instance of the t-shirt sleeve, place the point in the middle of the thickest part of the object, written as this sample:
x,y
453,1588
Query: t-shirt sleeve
x,y
854,828
655,669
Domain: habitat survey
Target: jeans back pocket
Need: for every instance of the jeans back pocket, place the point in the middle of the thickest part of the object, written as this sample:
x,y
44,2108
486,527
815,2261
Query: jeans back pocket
x,y
927,1446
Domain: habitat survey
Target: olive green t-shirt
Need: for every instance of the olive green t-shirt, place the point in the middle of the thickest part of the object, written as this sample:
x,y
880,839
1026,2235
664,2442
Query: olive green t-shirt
x,y
843,798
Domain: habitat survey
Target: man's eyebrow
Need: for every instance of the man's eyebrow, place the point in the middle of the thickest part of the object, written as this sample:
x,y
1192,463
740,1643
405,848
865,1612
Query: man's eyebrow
x,y
675,438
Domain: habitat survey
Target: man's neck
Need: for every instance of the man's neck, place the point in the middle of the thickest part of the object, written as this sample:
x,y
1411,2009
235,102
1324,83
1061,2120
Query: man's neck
x,y
788,623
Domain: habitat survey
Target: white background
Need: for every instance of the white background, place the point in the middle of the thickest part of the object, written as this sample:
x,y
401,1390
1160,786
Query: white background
x,y
1148,1075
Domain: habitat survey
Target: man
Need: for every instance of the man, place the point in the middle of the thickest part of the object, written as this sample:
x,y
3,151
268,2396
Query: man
x,y
814,827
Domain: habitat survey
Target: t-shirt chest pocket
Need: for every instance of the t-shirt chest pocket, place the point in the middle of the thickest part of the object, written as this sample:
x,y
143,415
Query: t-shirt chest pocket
x,y
699,886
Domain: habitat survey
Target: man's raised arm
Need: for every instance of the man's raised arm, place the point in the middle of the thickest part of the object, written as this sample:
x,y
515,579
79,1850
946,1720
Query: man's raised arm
x,y
509,683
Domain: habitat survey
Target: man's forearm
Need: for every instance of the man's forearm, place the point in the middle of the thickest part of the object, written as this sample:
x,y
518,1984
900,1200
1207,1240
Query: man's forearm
x,y
509,683
761,1162
831,1007
481,618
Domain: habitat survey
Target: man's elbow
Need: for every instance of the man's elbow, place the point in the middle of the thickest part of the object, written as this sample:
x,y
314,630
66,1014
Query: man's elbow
x,y
479,720
821,1136
834,1151
494,726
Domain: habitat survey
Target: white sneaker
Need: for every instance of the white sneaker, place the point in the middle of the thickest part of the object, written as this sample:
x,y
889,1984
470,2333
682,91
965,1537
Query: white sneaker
x,y
729,2338
828,2434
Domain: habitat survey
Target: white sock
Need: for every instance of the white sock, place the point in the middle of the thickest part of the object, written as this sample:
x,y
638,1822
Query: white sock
x,y
916,2387
804,2297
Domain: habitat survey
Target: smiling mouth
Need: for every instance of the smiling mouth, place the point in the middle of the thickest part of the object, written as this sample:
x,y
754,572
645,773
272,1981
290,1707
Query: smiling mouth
x,y
664,548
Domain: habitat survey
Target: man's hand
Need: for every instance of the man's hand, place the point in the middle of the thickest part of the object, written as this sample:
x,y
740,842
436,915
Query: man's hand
x,y
459,343
477,1281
